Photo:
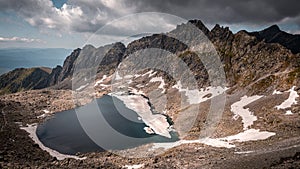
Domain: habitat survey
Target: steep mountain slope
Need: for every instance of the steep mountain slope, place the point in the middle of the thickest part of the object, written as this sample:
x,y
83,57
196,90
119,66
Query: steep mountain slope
x,y
24,79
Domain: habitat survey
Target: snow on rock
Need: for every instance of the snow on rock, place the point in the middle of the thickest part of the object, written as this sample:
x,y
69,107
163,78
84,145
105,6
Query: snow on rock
x,y
238,109
135,166
82,87
243,152
46,113
31,129
249,135
117,76
149,73
157,122
149,130
216,142
162,83
290,101
135,91
276,92
227,142
206,141
288,112
100,81
196,96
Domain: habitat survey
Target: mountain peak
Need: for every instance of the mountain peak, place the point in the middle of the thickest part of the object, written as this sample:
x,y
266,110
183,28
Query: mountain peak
x,y
273,28
200,25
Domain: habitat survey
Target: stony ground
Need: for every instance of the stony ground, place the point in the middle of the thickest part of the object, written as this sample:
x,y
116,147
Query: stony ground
x,y
17,150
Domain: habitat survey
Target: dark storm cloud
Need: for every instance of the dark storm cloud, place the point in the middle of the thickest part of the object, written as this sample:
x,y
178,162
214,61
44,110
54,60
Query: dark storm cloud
x,y
226,11
90,15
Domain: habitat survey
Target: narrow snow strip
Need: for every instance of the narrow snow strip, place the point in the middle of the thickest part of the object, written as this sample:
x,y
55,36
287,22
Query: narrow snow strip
x,y
135,166
216,142
196,96
290,101
82,87
135,91
243,152
100,81
46,113
249,135
227,142
206,141
276,92
162,83
157,122
238,109
31,129
117,76
149,73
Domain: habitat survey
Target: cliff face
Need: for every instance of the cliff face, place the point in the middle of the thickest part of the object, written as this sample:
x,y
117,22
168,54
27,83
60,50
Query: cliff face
x,y
68,66
256,60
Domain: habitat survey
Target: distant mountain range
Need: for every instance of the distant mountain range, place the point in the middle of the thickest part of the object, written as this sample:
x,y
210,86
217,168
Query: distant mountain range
x,y
247,57
11,58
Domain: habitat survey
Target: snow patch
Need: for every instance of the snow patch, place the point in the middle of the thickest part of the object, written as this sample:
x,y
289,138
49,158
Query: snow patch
x,y
149,73
238,109
227,142
249,135
31,129
100,81
157,122
276,92
288,112
135,91
196,96
135,166
290,101
46,113
82,87
149,130
162,83
243,152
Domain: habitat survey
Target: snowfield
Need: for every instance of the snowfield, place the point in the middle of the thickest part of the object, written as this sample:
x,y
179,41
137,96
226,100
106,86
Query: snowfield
x,y
289,101
196,96
157,122
238,109
228,142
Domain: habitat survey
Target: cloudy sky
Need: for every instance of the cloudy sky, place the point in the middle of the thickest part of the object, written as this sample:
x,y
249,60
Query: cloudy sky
x,y
71,23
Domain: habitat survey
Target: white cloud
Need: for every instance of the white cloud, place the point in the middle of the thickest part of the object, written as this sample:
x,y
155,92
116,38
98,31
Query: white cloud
x,y
74,16
19,39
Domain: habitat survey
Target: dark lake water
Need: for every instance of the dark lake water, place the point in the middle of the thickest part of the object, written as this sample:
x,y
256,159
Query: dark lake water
x,y
65,133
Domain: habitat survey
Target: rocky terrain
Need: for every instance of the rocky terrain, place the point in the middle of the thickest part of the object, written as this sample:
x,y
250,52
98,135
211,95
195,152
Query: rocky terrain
x,y
262,67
